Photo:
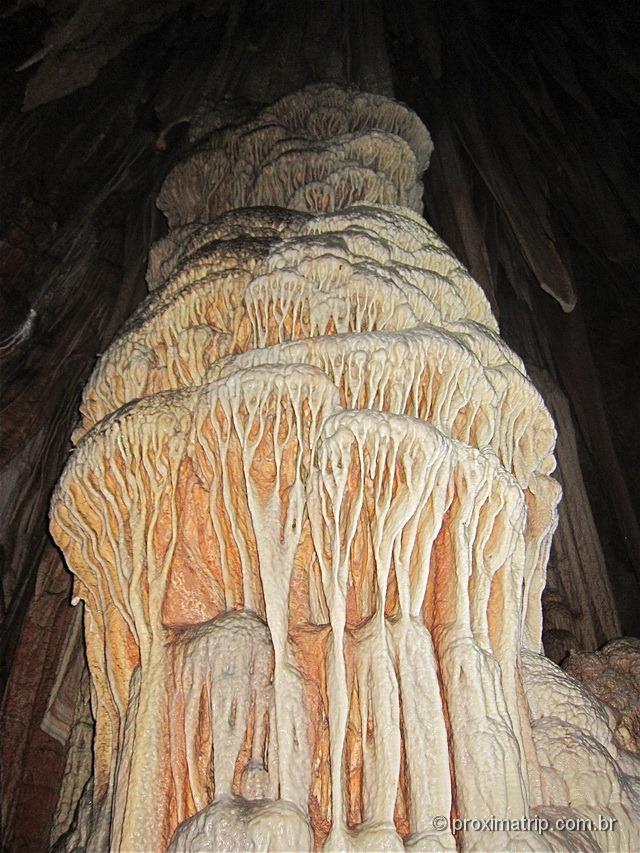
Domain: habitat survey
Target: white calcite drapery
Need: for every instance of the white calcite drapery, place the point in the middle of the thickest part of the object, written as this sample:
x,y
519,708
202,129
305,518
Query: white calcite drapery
x,y
309,514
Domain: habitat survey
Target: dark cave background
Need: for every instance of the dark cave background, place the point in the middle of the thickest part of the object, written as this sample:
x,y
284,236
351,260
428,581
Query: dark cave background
x,y
533,109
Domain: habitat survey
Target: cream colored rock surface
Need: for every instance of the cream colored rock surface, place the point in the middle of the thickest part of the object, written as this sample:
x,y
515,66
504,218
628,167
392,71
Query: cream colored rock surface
x,y
321,149
583,771
241,825
309,515
227,294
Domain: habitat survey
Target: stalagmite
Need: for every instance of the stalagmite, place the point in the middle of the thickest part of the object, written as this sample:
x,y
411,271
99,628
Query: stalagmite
x,y
309,513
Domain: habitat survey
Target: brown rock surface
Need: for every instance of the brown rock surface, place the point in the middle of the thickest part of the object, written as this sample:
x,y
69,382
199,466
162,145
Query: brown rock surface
x,y
613,675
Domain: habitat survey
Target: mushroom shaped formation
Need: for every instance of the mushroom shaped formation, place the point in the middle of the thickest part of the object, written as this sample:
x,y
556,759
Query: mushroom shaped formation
x,y
309,513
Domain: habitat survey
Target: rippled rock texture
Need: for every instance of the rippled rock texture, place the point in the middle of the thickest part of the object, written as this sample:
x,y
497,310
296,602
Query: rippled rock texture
x,y
309,514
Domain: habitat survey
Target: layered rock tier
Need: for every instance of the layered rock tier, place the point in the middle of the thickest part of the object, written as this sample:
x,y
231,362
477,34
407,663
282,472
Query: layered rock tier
x,y
309,513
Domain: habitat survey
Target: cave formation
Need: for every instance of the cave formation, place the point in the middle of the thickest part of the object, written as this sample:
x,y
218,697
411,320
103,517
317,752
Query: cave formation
x,y
311,398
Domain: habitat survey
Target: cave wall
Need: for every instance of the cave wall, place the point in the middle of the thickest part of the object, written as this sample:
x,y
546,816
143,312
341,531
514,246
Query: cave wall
x,y
532,184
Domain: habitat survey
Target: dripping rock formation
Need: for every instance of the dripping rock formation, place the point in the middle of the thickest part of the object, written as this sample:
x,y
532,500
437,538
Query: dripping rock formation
x,y
309,514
